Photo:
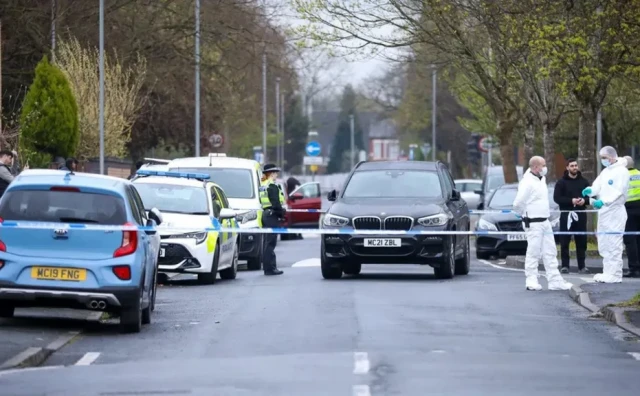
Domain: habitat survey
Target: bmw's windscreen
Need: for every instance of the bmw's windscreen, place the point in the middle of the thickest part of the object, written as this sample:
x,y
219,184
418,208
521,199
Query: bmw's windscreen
x,y
393,184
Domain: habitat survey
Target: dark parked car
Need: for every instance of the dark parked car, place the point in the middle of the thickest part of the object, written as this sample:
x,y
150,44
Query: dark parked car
x,y
493,178
396,195
507,244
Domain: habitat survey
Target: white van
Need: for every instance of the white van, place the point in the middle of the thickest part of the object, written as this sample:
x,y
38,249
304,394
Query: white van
x,y
240,180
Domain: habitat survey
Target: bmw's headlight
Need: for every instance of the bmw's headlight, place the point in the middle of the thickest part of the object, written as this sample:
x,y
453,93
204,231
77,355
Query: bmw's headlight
x,y
439,219
198,236
331,220
485,225
247,217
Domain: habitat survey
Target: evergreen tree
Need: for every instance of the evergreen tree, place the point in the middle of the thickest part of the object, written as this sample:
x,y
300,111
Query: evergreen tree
x,y
49,118
418,155
296,127
342,139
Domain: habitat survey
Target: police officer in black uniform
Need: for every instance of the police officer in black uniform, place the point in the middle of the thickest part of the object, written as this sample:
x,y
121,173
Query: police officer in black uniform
x,y
272,216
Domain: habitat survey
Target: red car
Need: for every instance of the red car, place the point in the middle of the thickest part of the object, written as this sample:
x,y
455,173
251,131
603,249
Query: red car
x,y
305,196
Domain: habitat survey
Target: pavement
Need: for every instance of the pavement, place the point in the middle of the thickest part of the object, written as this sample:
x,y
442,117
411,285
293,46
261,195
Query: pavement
x,y
393,330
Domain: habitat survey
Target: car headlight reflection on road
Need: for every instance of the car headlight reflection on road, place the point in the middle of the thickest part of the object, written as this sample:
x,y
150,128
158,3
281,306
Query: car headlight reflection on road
x,y
439,219
485,225
334,221
198,236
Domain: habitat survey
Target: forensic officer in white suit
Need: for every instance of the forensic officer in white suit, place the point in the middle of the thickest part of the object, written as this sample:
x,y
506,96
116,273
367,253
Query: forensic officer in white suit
x,y
532,205
610,188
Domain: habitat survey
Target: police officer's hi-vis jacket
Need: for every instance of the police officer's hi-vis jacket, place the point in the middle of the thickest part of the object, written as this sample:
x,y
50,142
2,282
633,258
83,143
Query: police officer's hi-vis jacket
x,y
272,197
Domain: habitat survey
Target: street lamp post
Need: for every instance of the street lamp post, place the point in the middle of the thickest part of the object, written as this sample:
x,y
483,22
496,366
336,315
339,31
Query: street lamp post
x,y
197,79
353,156
101,99
433,113
277,120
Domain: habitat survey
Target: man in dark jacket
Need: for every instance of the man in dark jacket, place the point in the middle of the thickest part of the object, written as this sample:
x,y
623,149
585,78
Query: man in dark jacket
x,y
568,195
632,242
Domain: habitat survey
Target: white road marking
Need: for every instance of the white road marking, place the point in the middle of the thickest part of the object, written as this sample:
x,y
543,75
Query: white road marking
x,y
312,262
361,390
500,267
438,351
88,358
311,235
22,370
635,355
361,363
587,280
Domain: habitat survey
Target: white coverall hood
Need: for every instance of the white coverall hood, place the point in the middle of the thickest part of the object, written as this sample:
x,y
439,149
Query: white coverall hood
x,y
611,187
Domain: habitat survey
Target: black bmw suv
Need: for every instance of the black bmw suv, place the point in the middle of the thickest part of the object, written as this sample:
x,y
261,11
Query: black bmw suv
x,y
399,196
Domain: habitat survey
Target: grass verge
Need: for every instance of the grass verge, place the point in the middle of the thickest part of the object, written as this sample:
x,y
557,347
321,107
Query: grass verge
x,y
632,303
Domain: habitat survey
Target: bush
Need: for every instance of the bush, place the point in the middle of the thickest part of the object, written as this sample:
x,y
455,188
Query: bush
x,y
49,118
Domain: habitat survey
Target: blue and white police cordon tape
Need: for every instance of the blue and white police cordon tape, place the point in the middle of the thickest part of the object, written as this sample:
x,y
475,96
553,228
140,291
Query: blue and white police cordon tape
x,y
316,231
506,211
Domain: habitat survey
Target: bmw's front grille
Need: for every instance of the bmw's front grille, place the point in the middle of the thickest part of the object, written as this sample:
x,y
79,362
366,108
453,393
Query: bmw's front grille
x,y
367,223
510,226
398,223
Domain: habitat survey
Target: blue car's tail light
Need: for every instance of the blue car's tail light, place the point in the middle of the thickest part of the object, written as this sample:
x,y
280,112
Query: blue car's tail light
x,y
123,272
129,243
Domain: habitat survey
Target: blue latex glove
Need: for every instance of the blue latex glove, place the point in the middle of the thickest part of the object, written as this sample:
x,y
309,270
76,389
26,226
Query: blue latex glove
x,y
586,192
598,204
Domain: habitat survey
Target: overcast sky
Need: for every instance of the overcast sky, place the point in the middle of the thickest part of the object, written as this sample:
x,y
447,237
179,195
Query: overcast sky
x,y
358,69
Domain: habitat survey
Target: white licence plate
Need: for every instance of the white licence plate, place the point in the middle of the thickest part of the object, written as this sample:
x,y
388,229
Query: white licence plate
x,y
382,242
161,252
516,237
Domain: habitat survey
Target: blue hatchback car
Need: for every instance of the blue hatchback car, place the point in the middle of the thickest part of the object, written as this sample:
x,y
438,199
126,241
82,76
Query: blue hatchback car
x,y
65,263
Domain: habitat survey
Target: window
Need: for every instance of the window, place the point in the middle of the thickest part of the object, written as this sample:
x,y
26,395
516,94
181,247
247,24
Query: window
x,y
309,190
174,198
448,181
503,198
63,206
139,205
134,208
393,184
237,183
223,197
217,206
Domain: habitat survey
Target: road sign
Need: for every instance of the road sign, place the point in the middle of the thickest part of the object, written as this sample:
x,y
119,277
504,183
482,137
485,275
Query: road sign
x,y
313,148
308,160
313,168
257,154
216,140
485,143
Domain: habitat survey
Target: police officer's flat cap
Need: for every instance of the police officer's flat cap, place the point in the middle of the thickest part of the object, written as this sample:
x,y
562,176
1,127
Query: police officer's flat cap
x,y
270,168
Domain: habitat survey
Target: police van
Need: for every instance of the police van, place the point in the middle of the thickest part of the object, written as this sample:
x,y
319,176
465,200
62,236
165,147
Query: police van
x,y
240,180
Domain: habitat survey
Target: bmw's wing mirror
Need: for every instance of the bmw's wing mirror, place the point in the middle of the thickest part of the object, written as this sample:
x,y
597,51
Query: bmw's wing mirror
x,y
455,195
332,195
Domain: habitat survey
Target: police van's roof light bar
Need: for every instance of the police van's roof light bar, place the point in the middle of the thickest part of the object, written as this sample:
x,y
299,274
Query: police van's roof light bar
x,y
197,176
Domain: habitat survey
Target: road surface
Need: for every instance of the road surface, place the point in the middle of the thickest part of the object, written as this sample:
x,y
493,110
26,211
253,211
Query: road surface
x,y
394,330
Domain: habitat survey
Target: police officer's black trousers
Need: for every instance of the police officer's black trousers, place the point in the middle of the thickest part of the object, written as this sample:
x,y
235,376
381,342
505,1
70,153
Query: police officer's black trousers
x,y
269,220
581,239
632,242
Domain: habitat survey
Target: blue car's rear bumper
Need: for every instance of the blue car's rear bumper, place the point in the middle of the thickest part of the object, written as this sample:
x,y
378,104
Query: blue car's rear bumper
x,y
19,288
